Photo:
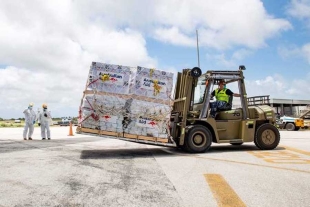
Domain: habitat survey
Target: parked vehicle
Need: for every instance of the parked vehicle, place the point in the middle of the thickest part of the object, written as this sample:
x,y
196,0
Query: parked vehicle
x,y
290,123
65,121
306,118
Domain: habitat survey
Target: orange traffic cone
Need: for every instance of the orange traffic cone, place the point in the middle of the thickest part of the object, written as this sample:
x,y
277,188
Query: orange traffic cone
x,y
70,130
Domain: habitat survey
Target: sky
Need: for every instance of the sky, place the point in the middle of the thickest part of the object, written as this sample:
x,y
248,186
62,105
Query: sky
x,y
47,47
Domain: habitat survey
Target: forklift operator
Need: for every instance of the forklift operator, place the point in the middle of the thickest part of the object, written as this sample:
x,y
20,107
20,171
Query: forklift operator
x,y
222,95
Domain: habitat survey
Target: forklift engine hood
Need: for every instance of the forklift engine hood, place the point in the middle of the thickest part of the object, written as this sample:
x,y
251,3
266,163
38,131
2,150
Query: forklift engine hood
x,y
262,112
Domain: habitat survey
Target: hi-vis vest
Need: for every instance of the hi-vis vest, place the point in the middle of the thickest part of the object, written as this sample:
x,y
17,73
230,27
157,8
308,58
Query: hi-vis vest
x,y
221,96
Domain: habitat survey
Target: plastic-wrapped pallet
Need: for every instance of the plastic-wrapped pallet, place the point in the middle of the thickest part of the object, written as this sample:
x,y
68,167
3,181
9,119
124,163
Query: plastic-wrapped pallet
x,y
128,100
151,83
105,104
109,78
103,112
150,107
151,118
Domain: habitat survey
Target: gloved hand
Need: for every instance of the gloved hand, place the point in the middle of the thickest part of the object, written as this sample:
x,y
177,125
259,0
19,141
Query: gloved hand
x,y
39,124
45,115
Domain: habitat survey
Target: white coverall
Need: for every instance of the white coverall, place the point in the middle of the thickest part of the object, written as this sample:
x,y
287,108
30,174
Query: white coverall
x,y
43,119
30,118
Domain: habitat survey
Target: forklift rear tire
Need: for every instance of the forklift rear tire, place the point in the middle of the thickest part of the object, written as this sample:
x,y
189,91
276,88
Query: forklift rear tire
x,y
290,127
198,139
267,137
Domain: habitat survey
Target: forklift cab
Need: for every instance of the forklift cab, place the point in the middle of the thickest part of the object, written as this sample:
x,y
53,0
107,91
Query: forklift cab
x,y
202,96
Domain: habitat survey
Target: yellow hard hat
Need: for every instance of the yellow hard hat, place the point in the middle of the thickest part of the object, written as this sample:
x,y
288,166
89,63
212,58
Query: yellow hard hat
x,y
44,105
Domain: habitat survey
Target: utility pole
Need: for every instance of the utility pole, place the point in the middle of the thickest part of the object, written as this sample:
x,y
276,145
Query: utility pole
x,y
197,48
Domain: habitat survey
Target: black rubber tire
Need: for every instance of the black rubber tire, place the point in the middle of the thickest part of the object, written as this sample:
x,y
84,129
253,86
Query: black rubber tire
x,y
290,126
267,137
296,128
198,139
237,144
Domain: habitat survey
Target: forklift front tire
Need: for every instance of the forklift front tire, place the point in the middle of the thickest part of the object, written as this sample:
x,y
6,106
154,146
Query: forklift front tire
x,y
198,139
267,137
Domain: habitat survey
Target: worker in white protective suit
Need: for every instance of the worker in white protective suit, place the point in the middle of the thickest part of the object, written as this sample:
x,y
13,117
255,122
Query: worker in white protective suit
x,y
30,119
43,121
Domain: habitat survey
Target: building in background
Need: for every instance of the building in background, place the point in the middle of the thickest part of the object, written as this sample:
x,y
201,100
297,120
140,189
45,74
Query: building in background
x,y
290,107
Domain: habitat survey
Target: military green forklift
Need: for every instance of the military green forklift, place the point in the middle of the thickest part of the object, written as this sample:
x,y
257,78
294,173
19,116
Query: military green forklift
x,y
193,129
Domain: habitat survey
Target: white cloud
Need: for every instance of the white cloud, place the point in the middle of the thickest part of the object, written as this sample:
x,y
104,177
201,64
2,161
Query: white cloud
x,y
294,51
220,26
173,36
230,61
299,9
306,51
278,87
48,46
289,51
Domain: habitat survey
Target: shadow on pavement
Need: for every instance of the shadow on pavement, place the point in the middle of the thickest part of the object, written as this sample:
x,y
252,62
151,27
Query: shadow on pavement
x,y
232,148
123,153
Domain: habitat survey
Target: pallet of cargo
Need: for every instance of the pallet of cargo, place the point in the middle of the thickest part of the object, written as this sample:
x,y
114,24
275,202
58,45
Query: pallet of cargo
x,y
126,136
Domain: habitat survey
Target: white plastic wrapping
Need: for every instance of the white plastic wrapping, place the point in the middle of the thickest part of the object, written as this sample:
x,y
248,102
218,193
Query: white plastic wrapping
x,y
109,78
151,83
127,100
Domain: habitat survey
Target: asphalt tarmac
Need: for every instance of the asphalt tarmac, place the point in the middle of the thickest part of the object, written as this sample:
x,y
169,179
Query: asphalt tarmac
x,y
83,170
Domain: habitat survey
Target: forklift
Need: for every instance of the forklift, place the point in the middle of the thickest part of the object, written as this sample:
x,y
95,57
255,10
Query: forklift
x,y
193,129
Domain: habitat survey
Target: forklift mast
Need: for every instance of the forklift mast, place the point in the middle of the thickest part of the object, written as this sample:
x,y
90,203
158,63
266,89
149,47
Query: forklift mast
x,y
184,99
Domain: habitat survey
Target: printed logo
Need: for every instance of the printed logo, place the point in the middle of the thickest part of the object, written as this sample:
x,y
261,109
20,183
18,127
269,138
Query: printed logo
x,y
146,122
113,78
154,85
152,123
107,117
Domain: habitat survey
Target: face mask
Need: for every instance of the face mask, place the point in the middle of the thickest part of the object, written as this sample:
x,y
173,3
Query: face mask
x,y
44,109
30,107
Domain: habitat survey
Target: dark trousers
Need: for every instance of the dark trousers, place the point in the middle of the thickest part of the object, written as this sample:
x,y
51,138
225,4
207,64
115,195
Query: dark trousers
x,y
217,105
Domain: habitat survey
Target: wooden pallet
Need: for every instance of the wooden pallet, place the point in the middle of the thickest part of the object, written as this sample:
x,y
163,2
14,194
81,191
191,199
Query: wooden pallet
x,y
146,138
132,137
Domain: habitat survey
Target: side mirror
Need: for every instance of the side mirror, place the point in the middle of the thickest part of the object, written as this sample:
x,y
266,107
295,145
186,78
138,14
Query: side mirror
x,y
196,72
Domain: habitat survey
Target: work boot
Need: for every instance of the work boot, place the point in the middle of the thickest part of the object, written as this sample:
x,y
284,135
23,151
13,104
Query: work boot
x,y
25,138
43,138
29,138
48,138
